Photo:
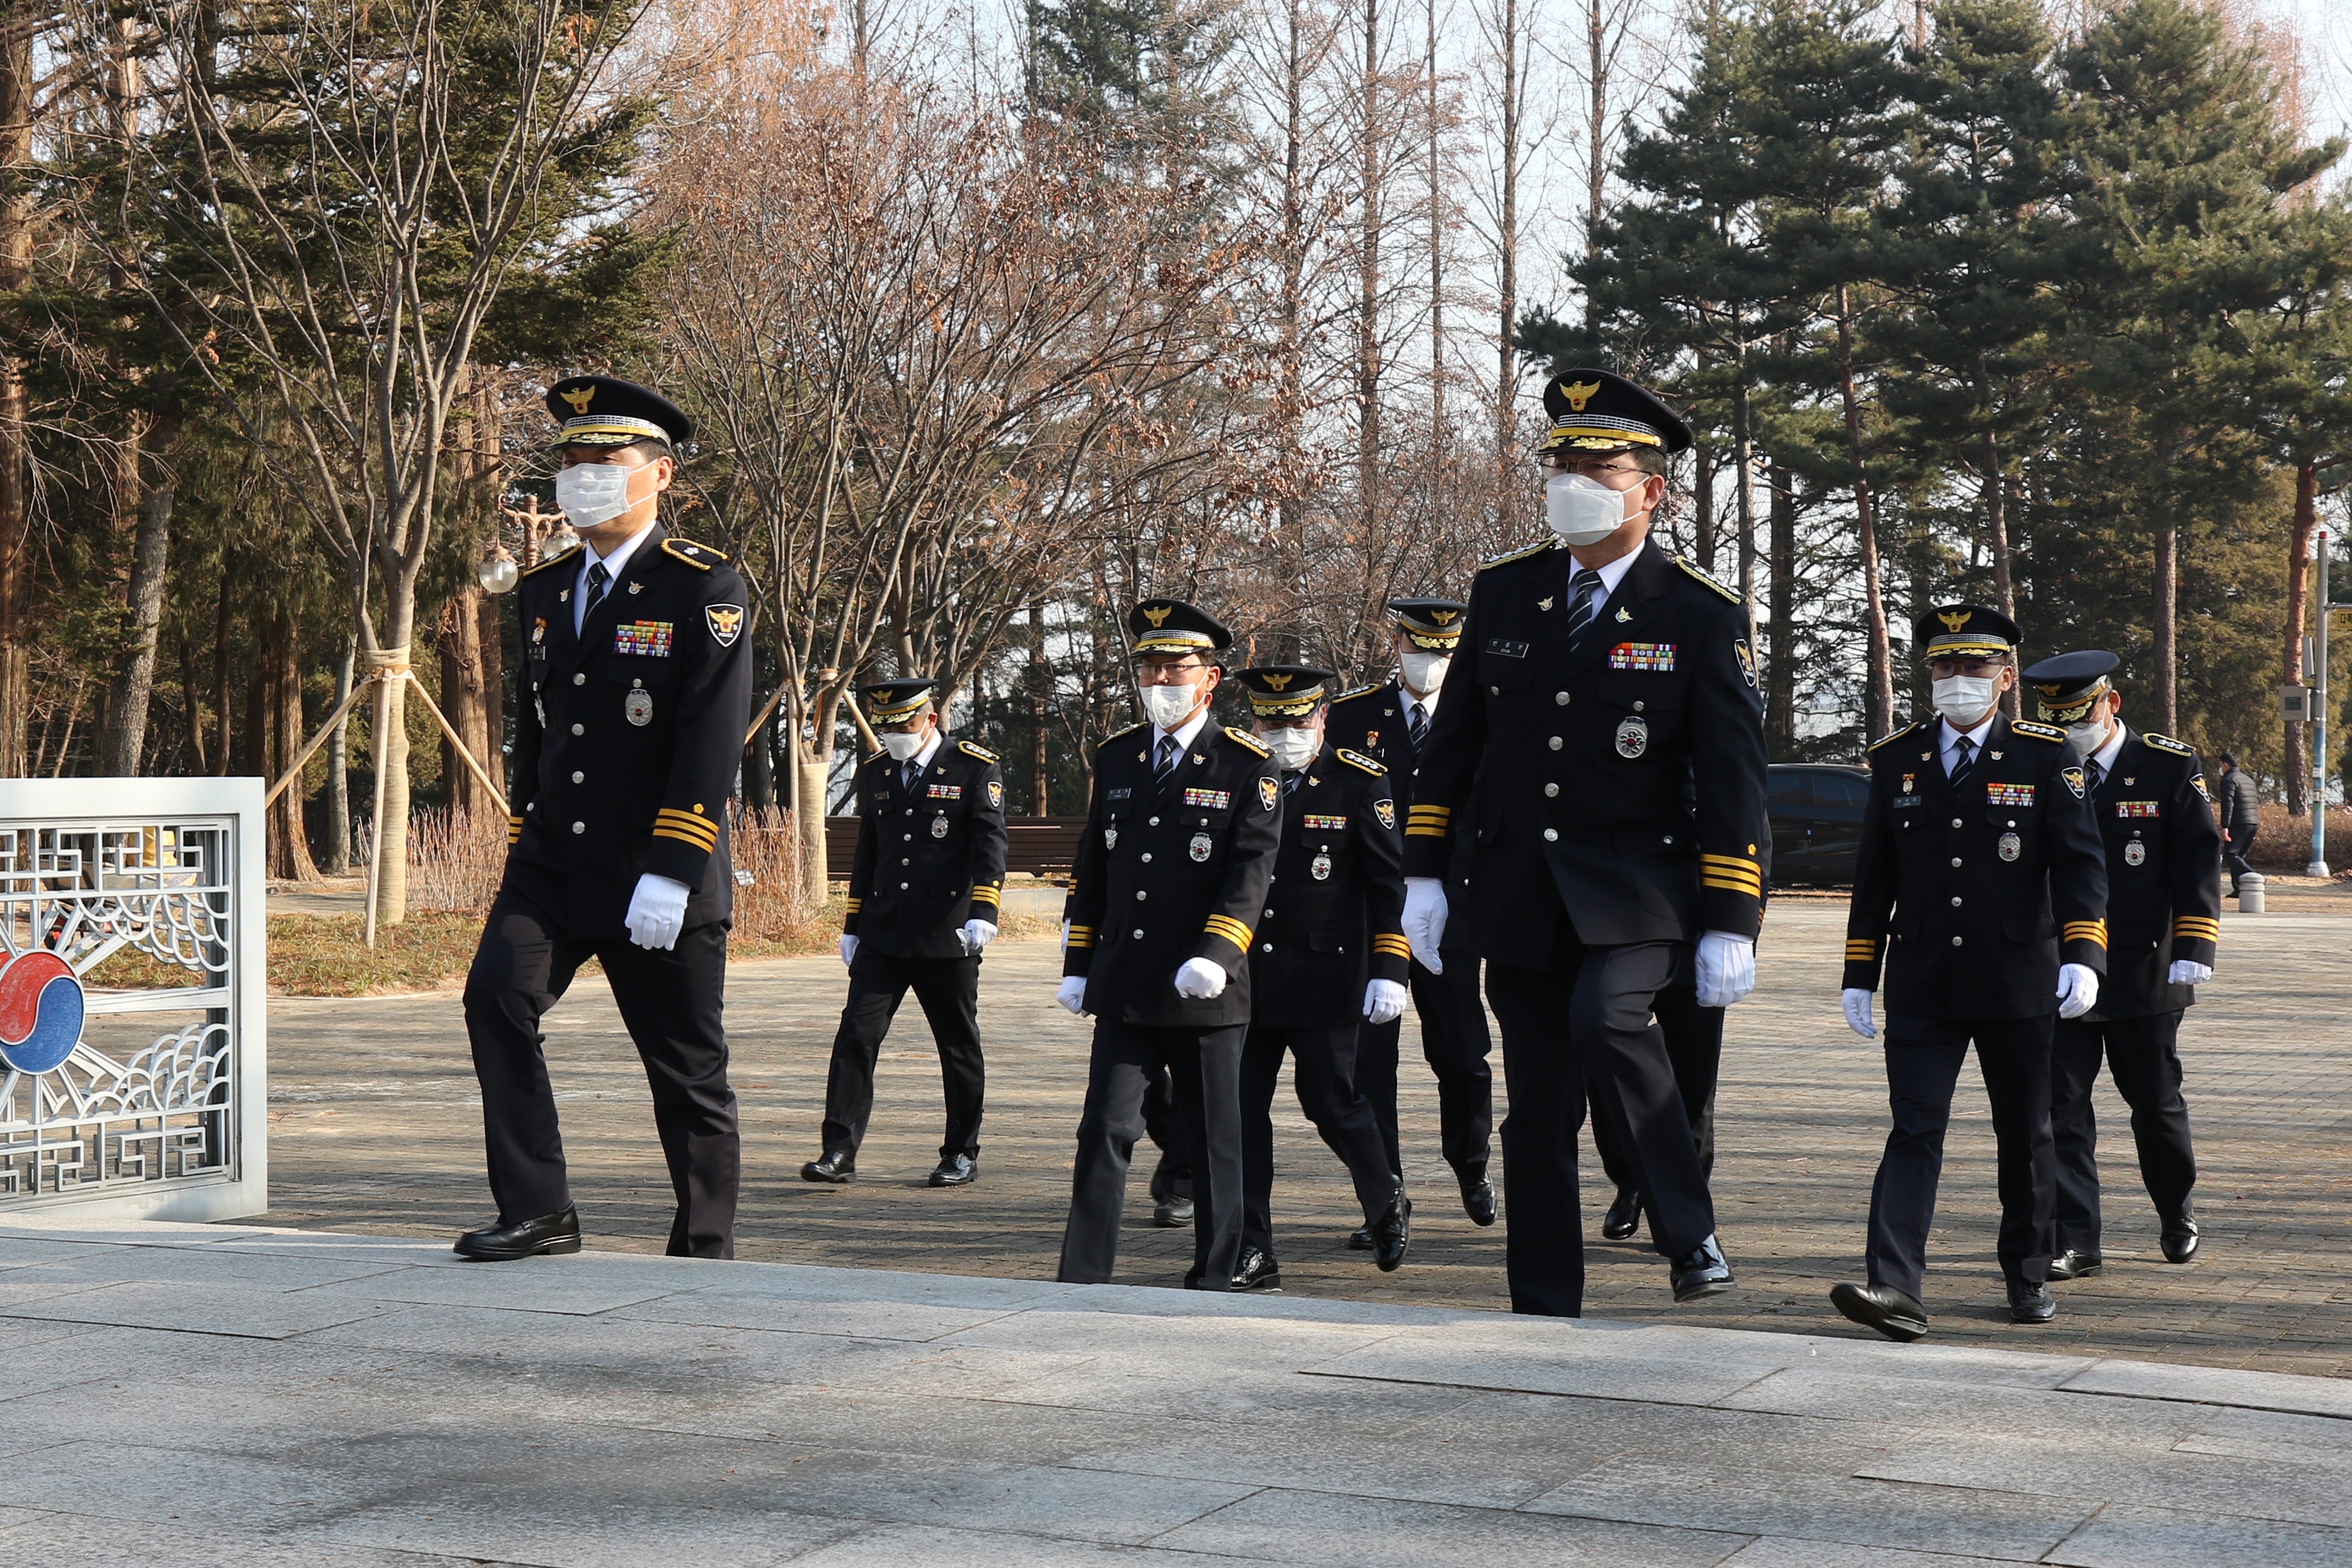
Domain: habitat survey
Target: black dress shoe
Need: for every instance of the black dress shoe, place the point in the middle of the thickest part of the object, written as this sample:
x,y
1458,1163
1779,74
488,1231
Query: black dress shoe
x,y
1624,1215
1170,1213
1392,1233
1884,1308
2179,1240
1361,1239
1702,1271
2030,1303
1258,1271
1478,1200
956,1171
2075,1264
837,1167
546,1235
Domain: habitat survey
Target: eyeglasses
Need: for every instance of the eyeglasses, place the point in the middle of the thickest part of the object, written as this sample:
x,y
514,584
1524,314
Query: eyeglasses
x,y
1592,468
1170,672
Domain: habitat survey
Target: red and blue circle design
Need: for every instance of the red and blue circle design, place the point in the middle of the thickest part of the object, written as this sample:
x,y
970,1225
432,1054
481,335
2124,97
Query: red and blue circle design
x,y
40,1012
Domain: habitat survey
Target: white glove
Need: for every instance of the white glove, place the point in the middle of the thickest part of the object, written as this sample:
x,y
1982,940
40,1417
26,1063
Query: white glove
x,y
2078,989
1072,994
656,911
848,950
1727,968
1857,1012
1201,980
975,935
1383,1002
2188,972
1424,920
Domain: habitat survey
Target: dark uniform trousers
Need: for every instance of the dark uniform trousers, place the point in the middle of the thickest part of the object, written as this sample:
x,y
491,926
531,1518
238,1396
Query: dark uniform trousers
x,y
1455,1044
948,990
1694,1037
1204,1068
671,1002
1923,1066
1172,1178
1323,1074
2145,1056
1604,1037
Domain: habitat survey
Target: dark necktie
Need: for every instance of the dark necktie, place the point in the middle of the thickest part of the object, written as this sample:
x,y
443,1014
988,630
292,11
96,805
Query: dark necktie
x,y
2098,777
1582,590
1416,724
1967,750
598,581
908,771
1163,759
1289,783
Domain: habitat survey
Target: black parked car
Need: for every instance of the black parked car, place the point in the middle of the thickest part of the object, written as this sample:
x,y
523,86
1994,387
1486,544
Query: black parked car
x,y
1816,811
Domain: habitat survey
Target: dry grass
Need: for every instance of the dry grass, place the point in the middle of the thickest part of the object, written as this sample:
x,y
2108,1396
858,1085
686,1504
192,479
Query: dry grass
x,y
2283,843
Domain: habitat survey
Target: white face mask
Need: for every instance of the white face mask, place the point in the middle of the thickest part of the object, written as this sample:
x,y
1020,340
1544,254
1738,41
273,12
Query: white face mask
x,y
1294,748
1424,672
592,494
2088,736
1169,706
902,746
1582,510
1965,699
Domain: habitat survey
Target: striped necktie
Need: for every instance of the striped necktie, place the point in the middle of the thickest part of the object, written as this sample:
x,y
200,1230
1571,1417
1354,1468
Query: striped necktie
x,y
1163,759
1582,590
1968,755
1416,725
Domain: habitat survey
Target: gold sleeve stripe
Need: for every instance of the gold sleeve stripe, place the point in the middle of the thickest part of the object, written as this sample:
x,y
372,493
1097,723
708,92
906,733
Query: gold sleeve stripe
x,y
687,825
1081,938
2085,931
671,830
986,893
1225,926
1726,885
1419,832
1861,948
1741,861
855,905
1439,811
1387,945
1748,874
2197,926
514,829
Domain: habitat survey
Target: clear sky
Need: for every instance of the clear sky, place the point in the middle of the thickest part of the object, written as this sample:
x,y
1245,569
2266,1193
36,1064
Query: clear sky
x,y
2326,30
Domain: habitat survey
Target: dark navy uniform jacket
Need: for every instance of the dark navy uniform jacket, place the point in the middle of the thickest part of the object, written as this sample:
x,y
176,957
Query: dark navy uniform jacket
x,y
2164,874
1334,916
1622,787
629,735
1371,720
1972,897
930,859
1172,872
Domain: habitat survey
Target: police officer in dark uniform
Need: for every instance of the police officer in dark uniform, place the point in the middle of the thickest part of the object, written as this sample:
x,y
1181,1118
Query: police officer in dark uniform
x,y
2164,918
923,896
1169,884
1982,888
635,694
1391,725
1610,720
1329,954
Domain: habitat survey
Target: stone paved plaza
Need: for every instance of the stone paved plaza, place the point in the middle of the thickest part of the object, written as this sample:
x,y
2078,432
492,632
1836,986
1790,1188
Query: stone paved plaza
x,y
374,1128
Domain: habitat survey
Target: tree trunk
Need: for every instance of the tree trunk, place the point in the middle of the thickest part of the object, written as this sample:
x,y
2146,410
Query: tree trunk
x,y
1040,690
17,26
1996,507
1507,278
391,748
134,671
490,642
1879,697
463,700
223,740
191,710
1781,671
1743,477
1702,507
292,856
1368,286
2298,599
2165,649
339,771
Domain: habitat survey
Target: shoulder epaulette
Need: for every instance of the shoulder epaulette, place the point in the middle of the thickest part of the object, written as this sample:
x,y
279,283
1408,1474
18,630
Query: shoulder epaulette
x,y
1248,742
1508,556
875,757
2167,743
700,557
1351,696
556,559
1357,759
1890,739
1725,589
1119,734
2039,731
983,752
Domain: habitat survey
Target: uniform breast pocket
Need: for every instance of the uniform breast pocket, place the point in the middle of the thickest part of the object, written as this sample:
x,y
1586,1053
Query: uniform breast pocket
x,y
1505,664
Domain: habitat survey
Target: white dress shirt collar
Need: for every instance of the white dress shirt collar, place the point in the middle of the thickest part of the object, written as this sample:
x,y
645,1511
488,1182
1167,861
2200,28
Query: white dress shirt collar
x,y
2105,755
612,564
1611,575
1950,739
1185,733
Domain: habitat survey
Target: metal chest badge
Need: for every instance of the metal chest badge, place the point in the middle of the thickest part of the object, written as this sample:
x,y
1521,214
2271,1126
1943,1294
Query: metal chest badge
x,y
2134,853
1633,737
1110,839
638,705
1202,845
2011,846
1322,867
939,826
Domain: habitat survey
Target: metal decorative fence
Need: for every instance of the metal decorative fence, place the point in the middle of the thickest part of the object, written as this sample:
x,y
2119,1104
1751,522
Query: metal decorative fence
x,y
132,1053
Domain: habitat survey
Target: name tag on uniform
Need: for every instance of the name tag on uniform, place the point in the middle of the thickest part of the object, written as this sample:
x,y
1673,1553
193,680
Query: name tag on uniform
x,y
1209,799
1903,800
2136,808
944,792
1650,656
1325,824
1504,648
648,637
2008,795
1120,793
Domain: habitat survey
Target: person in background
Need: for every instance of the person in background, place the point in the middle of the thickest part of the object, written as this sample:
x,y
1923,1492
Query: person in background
x,y
2242,816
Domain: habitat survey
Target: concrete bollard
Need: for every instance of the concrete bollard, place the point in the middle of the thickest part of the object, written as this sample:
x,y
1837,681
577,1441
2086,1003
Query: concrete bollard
x,y
2250,894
